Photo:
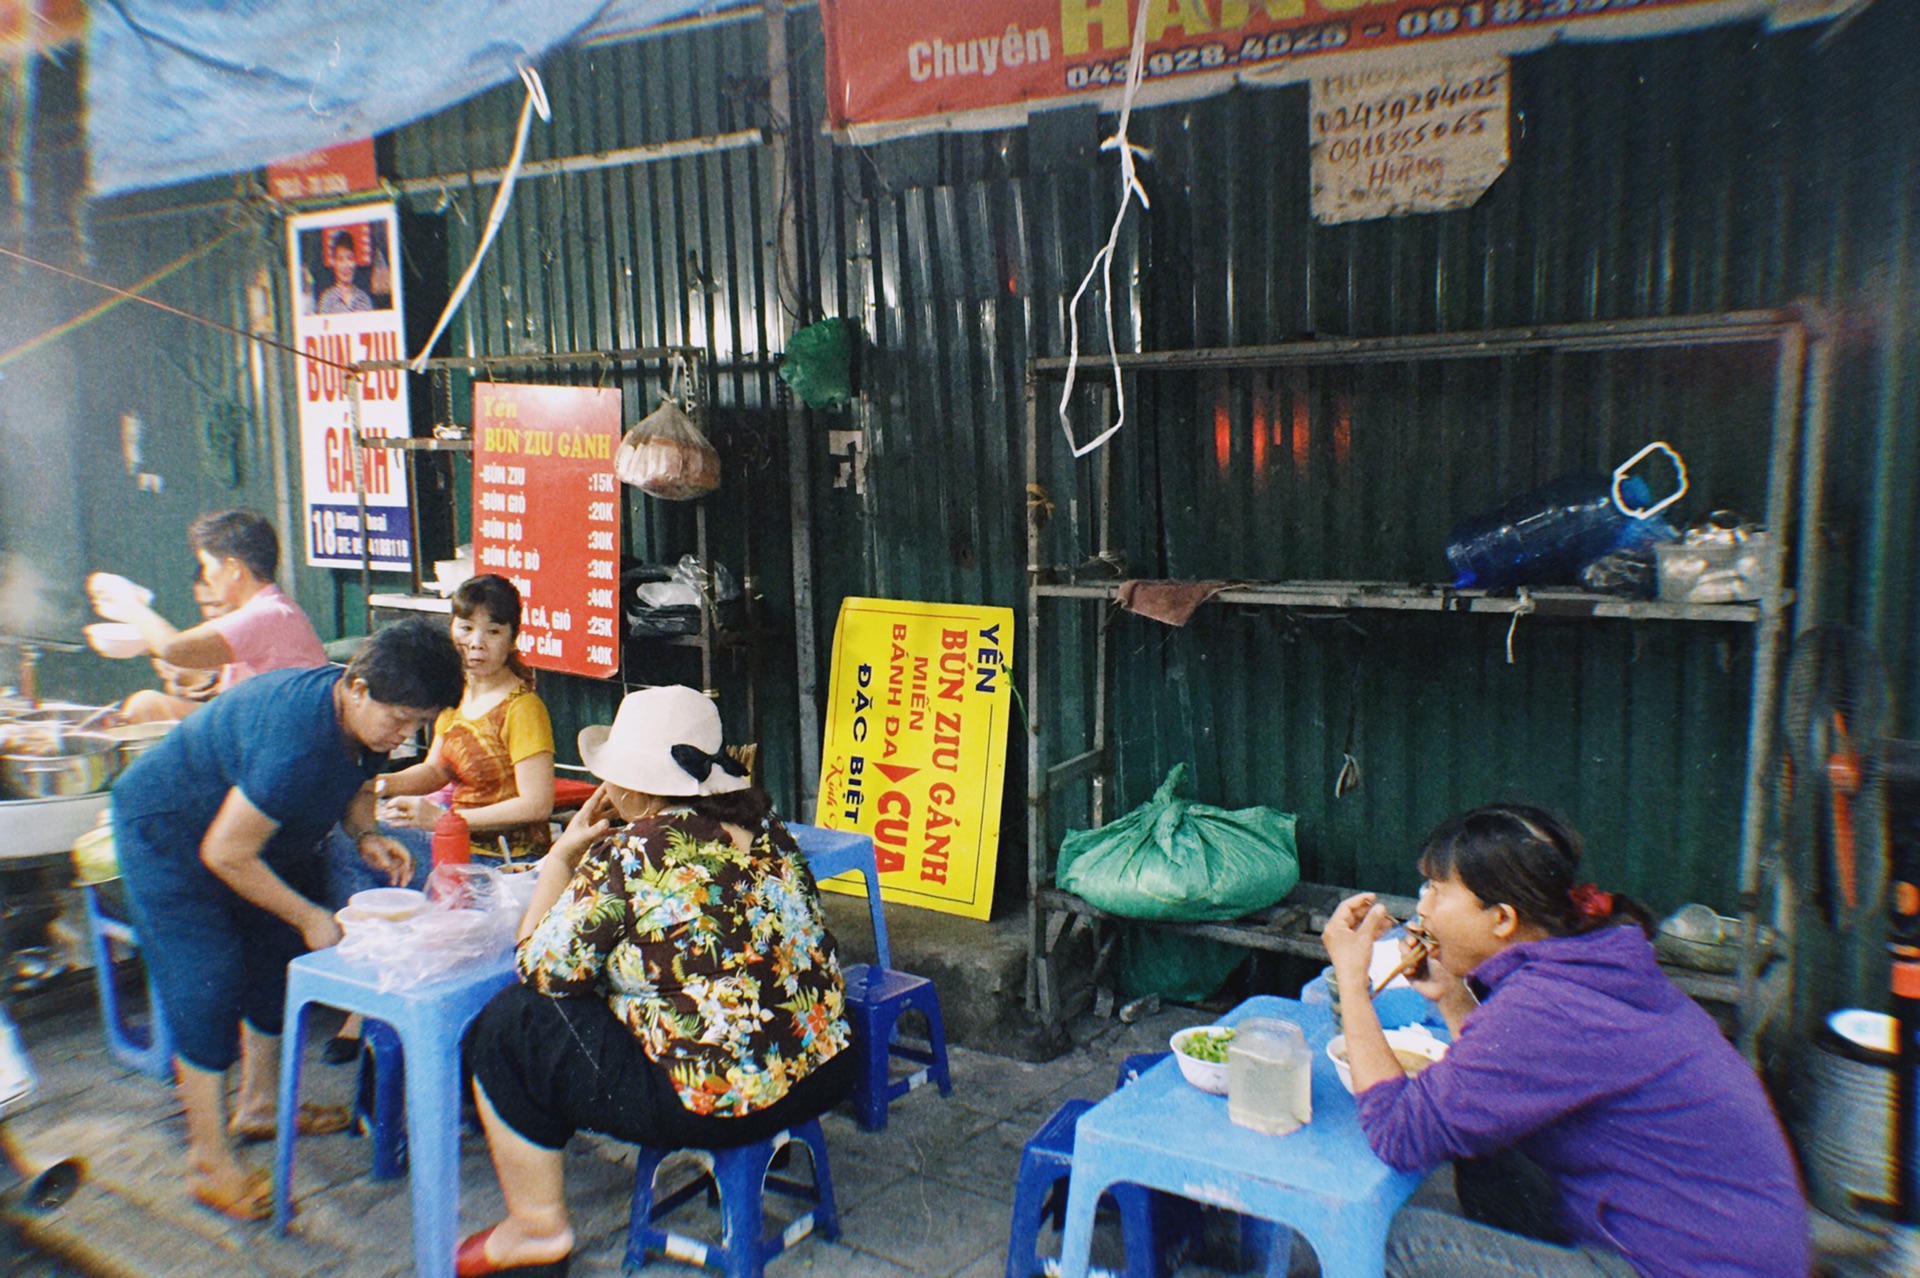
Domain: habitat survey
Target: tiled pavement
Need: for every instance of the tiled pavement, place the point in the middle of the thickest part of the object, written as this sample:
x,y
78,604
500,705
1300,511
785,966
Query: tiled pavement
x,y
930,1195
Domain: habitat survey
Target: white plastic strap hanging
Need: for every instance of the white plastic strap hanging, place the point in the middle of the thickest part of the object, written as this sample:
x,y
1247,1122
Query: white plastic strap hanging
x,y
1520,609
536,101
677,381
1130,190
1620,477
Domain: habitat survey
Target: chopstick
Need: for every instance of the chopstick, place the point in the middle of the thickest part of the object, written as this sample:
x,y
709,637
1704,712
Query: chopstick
x,y
1415,957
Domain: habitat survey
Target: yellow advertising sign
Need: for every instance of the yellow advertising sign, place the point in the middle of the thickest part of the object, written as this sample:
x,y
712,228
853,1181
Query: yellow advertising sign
x,y
916,746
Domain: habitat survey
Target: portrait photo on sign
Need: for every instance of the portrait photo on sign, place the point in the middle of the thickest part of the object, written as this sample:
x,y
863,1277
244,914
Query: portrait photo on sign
x,y
345,270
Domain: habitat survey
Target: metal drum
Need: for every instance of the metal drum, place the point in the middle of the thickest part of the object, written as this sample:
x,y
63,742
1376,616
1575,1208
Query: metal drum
x,y
1848,1141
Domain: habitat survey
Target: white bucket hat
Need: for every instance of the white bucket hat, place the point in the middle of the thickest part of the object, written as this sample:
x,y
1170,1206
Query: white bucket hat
x,y
663,741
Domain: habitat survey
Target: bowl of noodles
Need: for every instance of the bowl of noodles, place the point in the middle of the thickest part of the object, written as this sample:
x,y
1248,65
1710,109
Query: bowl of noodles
x,y
1414,1047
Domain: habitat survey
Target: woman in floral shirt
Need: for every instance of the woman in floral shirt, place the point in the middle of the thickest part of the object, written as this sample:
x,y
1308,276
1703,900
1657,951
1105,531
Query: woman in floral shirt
x,y
678,985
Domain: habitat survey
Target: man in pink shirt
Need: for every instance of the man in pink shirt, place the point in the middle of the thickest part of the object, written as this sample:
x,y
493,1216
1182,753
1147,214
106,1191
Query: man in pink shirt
x,y
260,630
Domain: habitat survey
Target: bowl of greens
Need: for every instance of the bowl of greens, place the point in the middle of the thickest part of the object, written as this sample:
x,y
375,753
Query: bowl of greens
x,y
1202,1053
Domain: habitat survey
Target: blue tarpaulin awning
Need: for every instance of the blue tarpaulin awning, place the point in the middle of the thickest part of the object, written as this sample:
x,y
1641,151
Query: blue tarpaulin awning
x,y
182,89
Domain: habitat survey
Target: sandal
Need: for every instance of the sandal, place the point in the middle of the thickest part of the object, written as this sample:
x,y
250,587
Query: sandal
x,y
314,1120
472,1261
254,1202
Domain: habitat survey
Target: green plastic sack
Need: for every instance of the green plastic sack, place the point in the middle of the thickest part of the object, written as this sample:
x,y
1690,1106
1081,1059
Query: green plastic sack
x,y
817,364
1171,858
1182,968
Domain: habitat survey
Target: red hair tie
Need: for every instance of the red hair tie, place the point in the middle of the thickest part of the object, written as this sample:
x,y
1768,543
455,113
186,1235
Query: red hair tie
x,y
1590,901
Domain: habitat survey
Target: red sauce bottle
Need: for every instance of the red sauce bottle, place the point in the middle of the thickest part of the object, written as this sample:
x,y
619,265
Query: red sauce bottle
x,y
452,841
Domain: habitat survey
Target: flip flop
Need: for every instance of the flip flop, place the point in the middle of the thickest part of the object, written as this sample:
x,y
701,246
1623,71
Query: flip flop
x,y
254,1202
314,1120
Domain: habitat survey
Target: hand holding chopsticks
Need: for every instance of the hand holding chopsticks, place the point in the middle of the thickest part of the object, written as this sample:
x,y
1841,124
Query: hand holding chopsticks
x,y
1413,959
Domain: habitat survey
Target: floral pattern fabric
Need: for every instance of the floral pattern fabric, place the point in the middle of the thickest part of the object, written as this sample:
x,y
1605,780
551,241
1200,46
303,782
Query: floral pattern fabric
x,y
716,958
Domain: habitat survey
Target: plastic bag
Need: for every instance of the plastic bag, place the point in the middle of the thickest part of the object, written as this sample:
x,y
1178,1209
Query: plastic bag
x,y
1185,969
668,599
1627,573
817,364
682,586
470,916
666,456
1721,559
1171,858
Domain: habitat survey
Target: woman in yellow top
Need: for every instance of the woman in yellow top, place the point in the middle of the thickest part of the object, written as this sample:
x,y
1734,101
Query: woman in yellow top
x,y
494,751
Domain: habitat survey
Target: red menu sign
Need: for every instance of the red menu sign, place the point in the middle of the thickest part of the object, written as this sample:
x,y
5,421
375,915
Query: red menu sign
x,y
546,516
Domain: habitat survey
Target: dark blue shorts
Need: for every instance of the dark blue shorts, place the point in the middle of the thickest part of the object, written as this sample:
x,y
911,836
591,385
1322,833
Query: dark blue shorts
x,y
215,960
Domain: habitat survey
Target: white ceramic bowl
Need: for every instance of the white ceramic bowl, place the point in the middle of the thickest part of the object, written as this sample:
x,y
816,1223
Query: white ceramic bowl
x,y
115,639
1208,1076
390,903
1414,1038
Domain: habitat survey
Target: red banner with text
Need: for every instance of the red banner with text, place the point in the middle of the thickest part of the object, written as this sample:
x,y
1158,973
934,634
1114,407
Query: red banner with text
x,y
899,66
546,516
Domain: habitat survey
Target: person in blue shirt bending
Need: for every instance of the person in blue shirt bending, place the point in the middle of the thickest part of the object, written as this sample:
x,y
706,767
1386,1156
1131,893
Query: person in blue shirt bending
x,y
218,830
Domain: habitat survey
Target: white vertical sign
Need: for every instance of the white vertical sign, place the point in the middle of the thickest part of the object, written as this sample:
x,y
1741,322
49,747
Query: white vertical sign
x,y
345,270
1406,140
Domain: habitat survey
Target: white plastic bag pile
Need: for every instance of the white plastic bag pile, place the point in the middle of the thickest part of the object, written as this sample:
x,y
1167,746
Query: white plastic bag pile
x,y
472,913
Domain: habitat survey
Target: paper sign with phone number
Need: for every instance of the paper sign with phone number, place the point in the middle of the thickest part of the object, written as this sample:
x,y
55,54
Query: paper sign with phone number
x,y
903,66
916,746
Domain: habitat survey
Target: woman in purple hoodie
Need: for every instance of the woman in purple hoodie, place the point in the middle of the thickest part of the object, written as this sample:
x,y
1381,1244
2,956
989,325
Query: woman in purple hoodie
x,y
1597,1120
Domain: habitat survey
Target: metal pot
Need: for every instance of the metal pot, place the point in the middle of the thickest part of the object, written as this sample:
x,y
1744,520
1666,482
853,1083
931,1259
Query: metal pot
x,y
133,739
76,763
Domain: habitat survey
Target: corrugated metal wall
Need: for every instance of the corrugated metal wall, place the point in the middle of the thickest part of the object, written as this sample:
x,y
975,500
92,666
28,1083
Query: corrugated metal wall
x,y
1714,170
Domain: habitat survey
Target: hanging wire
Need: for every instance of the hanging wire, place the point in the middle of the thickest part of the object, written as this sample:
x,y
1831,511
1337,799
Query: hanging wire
x,y
130,296
1130,190
536,101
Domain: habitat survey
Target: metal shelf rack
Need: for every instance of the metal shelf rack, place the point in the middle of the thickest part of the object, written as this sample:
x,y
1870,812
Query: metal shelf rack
x,y
1802,347
708,640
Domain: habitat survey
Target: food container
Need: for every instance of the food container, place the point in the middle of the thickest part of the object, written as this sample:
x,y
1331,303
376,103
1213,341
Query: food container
x,y
517,879
350,918
1713,566
114,639
389,903
1414,1046
56,766
1209,1075
135,739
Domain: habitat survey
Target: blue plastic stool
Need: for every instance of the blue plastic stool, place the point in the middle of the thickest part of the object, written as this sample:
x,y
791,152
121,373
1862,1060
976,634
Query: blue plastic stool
x,y
741,1175
428,1021
1149,1222
831,853
876,998
146,1049
1136,1065
380,1108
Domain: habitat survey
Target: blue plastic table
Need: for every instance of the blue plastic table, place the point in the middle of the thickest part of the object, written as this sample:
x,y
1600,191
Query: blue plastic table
x,y
429,1020
1321,1180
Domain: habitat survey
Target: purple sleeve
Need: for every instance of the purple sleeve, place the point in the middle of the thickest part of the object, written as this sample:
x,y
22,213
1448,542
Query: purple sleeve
x,y
1520,1064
